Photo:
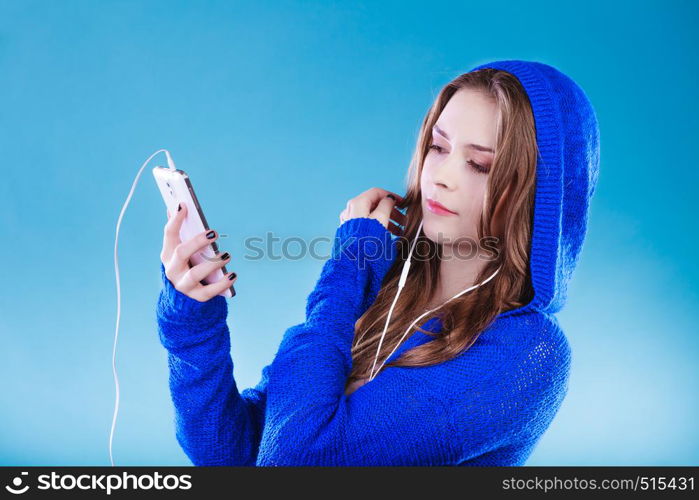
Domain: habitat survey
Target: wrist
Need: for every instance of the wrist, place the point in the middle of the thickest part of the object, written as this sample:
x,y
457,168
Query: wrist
x,y
365,242
177,306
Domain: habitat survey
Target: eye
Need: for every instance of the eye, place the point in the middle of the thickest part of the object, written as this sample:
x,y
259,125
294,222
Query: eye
x,y
477,167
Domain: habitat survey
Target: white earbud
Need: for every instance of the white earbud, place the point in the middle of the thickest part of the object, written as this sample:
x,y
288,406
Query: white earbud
x,y
401,284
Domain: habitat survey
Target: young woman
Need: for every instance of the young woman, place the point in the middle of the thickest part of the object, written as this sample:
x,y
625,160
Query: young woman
x,y
467,365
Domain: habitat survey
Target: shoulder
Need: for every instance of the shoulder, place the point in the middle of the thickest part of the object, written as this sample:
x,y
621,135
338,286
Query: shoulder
x,y
537,349
530,341
529,337
519,367
506,388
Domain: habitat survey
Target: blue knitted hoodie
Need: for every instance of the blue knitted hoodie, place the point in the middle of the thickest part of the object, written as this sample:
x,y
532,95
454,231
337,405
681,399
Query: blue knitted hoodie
x,y
488,406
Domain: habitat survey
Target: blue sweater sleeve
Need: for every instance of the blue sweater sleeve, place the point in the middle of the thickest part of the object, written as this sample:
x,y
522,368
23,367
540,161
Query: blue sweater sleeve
x,y
493,401
214,423
493,398
309,420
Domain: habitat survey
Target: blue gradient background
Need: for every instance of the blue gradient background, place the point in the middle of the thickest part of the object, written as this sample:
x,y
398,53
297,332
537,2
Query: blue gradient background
x,y
282,111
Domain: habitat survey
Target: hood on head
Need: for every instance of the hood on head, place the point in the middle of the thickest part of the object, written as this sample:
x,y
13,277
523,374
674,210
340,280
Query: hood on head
x,y
567,135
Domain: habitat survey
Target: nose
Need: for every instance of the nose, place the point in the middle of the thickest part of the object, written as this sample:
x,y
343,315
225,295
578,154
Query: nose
x,y
444,173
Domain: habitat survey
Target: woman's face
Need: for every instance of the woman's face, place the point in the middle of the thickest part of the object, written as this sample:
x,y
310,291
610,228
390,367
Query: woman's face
x,y
456,168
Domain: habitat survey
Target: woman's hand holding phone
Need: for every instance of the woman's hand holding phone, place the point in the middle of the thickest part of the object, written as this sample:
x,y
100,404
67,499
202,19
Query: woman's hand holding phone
x,y
376,203
175,256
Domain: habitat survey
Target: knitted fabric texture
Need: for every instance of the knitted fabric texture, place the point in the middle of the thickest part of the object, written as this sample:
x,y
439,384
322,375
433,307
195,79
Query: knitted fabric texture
x,y
488,406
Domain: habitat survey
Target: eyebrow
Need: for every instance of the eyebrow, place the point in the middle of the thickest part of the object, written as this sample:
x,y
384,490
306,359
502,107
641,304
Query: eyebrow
x,y
477,147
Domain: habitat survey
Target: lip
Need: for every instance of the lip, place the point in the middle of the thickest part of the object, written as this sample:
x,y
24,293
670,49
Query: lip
x,y
438,208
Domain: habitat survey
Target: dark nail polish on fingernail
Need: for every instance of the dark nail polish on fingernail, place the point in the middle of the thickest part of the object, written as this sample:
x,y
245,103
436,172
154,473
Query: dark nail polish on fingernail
x,y
210,235
391,196
225,256
232,276
179,207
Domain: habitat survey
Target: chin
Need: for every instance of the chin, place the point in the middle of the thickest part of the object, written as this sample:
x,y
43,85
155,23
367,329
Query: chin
x,y
442,229
439,229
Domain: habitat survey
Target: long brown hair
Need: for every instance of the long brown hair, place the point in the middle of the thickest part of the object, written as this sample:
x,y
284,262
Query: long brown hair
x,y
512,174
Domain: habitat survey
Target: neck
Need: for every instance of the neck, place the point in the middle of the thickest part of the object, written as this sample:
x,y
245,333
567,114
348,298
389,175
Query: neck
x,y
458,270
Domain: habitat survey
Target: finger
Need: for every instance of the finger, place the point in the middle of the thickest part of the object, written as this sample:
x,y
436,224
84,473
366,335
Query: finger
x,y
365,203
171,236
377,193
203,269
358,207
383,210
213,289
185,284
168,214
186,249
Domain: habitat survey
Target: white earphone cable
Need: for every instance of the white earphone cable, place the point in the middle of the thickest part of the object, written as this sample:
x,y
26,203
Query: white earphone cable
x,y
171,165
401,284
372,374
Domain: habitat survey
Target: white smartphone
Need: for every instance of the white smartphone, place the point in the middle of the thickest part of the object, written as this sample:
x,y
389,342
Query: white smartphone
x,y
176,187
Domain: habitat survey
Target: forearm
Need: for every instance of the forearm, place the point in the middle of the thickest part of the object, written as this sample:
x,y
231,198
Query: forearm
x,y
215,424
309,419
350,279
